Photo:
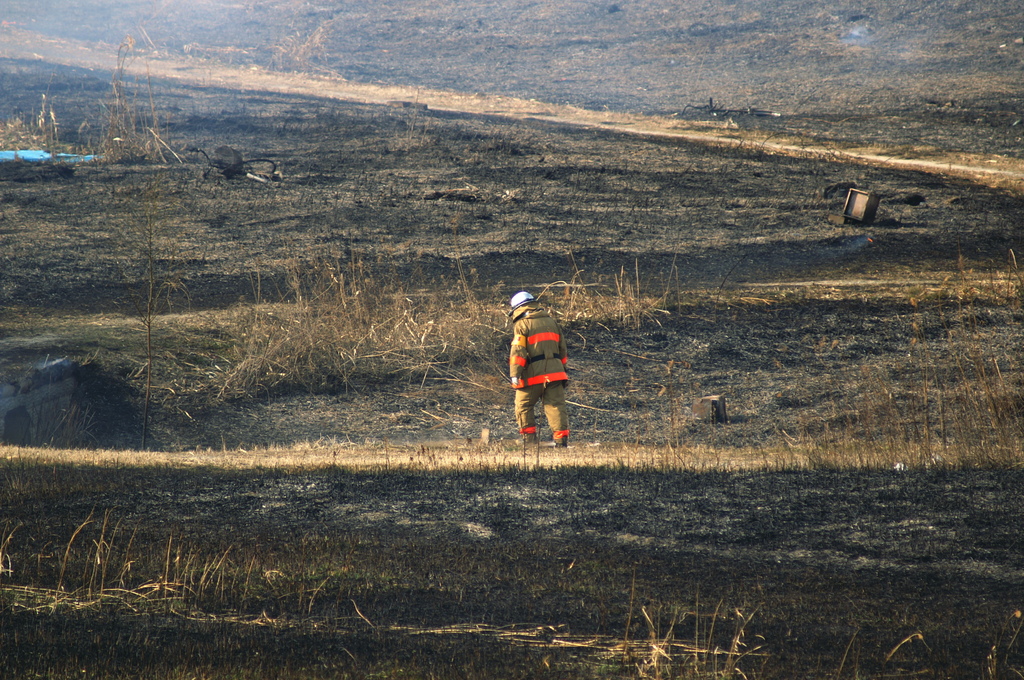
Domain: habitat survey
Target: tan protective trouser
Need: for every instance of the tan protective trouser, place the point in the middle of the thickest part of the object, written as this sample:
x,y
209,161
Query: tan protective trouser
x,y
553,395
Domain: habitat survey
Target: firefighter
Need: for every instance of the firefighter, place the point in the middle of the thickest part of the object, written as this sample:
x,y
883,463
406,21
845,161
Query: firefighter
x,y
537,363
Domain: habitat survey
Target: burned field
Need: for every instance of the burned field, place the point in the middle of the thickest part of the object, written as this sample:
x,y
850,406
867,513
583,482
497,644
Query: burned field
x,y
572,572
871,371
796,320
751,292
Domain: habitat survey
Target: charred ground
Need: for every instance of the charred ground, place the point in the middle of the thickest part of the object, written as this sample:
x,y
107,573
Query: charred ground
x,y
771,304
808,328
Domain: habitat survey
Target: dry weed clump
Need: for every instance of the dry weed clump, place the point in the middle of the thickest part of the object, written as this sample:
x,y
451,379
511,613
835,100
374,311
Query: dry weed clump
x,y
43,132
131,133
339,324
623,303
973,422
15,134
303,51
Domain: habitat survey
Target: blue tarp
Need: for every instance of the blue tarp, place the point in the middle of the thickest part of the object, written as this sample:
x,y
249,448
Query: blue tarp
x,y
38,155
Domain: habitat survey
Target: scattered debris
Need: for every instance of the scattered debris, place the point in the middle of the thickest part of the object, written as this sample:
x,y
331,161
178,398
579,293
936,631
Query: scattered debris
x,y
467,194
402,104
231,164
699,29
716,111
843,246
40,156
859,36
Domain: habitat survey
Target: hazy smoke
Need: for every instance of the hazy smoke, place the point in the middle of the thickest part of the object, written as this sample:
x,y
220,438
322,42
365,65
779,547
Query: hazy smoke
x,y
860,35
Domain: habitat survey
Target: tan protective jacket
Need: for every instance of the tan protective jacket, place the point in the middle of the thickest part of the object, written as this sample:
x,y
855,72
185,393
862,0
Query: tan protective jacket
x,y
538,354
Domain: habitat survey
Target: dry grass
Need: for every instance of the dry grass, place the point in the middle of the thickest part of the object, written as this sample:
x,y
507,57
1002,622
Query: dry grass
x,y
303,52
624,304
956,402
132,130
42,132
337,323
959,399
156,598
15,134
440,455
309,590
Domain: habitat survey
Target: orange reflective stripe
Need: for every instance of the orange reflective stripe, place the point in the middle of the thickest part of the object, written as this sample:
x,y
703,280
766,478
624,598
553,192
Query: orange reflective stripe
x,y
546,378
565,360
541,337
528,430
561,434
517,361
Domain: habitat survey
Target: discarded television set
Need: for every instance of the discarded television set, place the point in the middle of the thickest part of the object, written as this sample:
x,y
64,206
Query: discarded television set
x,y
860,205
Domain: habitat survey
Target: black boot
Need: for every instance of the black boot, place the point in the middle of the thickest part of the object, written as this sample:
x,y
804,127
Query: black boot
x,y
563,442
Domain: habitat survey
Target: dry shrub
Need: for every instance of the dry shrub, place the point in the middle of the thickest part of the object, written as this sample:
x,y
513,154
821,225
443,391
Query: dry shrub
x,y
42,133
622,303
342,325
131,134
302,51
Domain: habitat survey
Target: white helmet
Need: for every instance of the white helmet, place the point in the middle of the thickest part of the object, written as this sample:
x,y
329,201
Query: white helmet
x,y
520,299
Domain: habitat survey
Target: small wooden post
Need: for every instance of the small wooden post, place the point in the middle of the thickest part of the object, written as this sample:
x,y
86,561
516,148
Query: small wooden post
x,y
711,408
